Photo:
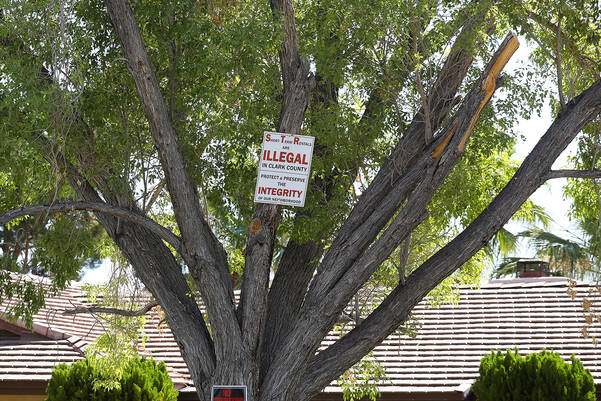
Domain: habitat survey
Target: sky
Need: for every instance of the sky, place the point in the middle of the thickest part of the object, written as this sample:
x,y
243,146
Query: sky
x,y
549,195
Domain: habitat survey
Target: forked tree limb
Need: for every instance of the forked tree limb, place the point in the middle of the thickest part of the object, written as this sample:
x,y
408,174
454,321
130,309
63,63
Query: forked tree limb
x,y
196,235
346,248
435,171
67,207
299,261
150,258
154,264
442,99
349,263
297,86
391,185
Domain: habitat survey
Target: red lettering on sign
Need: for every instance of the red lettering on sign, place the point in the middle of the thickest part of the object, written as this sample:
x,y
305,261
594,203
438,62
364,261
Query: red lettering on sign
x,y
227,392
285,157
293,193
296,139
268,137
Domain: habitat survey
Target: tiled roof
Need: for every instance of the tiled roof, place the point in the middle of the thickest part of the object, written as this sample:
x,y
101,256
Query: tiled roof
x,y
530,314
66,338
32,359
440,362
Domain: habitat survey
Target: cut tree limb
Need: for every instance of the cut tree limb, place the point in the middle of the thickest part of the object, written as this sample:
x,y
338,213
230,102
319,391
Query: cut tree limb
x,y
349,263
300,260
391,186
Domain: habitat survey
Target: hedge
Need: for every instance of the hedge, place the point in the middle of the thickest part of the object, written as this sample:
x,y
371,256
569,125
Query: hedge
x,y
142,380
544,376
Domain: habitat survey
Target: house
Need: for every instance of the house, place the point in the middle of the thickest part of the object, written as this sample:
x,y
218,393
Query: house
x,y
439,363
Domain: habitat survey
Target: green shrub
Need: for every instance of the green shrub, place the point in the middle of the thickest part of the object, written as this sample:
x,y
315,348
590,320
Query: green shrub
x,y
141,380
537,377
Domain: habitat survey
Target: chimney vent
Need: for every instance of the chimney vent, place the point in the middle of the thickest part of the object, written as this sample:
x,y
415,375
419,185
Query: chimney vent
x,y
533,268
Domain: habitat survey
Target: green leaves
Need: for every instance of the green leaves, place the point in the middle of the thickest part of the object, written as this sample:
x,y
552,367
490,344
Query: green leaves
x,y
85,380
362,379
536,377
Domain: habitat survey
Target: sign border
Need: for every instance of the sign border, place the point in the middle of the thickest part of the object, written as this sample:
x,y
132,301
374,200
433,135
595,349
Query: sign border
x,y
259,169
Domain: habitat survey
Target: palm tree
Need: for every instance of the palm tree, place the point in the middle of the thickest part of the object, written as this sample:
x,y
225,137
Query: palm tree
x,y
576,258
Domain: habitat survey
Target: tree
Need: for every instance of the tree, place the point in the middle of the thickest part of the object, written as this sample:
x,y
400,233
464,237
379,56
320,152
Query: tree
x,y
152,116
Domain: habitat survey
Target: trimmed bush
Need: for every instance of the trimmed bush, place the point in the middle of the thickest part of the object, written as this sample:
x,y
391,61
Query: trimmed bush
x,y
537,377
141,380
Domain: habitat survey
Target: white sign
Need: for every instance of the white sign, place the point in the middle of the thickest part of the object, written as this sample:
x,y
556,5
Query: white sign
x,y
284,169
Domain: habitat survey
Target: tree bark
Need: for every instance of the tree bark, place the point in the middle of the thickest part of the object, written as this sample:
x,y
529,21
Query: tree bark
x,y
209,265
286,367
157,269
298,84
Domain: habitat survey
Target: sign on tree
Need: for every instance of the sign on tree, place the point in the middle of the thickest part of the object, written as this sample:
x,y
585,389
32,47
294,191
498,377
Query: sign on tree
x,y
284,169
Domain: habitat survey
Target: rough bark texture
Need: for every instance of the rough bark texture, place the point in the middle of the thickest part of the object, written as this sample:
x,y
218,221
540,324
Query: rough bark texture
x,y
330,291
156,267
102,207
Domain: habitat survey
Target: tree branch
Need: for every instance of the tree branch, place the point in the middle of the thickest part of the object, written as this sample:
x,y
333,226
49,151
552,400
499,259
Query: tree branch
x,y
372,209
112,311
210,267
590,174
562,100
150,258
585,62
403,259
152,261
330,288
67,207
333,361
299,261
346,250
155,195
